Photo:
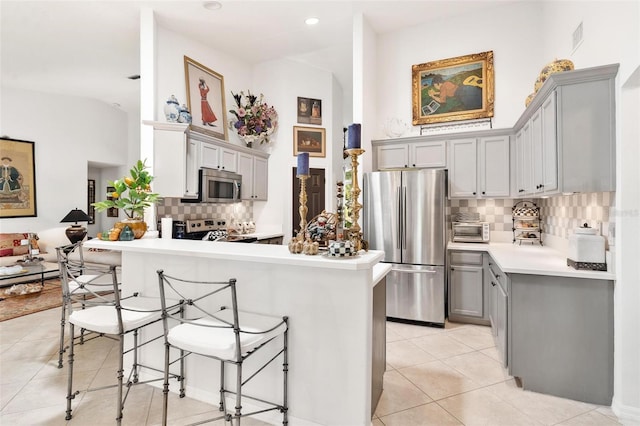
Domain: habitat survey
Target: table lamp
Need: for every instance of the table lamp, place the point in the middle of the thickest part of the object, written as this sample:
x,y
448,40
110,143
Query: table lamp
x,y
76,232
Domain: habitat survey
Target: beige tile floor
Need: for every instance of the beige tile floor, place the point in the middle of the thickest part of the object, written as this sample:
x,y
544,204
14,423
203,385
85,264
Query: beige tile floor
x,y
434,376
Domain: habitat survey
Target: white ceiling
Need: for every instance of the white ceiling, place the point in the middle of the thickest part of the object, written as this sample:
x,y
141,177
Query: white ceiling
x,y
89,48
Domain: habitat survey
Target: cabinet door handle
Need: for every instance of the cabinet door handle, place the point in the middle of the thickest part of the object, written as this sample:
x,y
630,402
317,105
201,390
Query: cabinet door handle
x,y
493,284
520,190
474,192
483,192
452,268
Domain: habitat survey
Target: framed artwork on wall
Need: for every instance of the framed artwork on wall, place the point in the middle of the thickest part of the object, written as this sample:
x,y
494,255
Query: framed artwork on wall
x,y
91,198
17,178
309,139
205,99
453,89
309,111
111,211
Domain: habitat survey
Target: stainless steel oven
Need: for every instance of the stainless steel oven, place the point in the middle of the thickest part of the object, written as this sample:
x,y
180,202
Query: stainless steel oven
x,y
217,186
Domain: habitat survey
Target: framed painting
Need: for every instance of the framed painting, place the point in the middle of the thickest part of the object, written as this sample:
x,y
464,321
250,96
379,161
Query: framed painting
x,y
309,139
205,99
91,198
453,89
309,111
111,211
17,178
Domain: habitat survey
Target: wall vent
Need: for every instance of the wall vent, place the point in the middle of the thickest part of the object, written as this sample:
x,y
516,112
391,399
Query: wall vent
x,y
577,37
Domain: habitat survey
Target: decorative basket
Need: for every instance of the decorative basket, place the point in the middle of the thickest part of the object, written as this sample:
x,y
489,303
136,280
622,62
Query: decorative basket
x,y
342,249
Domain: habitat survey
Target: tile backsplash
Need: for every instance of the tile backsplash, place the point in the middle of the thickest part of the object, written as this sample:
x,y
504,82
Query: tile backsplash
x,y
497,212
561,214
242,211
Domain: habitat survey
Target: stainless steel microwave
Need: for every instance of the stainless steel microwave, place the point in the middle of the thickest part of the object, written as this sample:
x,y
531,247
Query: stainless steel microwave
x,y
471,232
218,186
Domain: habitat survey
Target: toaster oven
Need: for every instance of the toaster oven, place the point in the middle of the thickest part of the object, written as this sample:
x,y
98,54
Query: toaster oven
x,y
470,232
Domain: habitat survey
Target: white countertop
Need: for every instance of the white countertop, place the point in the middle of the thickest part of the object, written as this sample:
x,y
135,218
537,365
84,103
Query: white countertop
x,y
266,253
531,259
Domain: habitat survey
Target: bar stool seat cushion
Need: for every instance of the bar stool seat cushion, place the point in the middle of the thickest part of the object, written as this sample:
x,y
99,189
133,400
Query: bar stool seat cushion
x,y
104,319
197,337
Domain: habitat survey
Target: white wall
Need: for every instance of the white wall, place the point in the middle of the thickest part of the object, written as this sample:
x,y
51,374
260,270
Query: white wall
x,y
69,132
281,82
511,32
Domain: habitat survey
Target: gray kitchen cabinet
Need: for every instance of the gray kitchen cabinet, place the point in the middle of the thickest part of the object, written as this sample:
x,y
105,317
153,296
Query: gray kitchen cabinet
x,y
498,282
409,154
479,168
180,153
463,165
493,167
217,157
522,162
175,159
571,129
468,300
254,171
560,336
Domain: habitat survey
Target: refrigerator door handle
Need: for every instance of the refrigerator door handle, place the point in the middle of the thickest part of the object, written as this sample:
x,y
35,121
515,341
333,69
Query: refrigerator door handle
x,y
404,218
414,271
399,236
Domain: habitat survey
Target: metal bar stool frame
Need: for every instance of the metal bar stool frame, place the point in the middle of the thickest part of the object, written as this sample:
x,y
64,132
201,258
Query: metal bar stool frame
x,y
72,293
100,296
222,320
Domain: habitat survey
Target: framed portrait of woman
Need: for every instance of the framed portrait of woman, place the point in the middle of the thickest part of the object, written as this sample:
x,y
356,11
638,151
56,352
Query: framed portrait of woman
x,y
205,99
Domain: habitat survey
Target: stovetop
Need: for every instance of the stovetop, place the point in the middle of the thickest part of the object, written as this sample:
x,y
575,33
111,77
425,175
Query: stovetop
x,y
211,229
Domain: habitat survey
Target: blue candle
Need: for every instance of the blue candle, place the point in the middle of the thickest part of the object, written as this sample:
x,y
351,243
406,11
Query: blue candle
x,y
353,141
303,164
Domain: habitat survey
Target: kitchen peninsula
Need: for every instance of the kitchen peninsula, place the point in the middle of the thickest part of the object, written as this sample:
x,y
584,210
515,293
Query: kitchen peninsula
x,y
334,336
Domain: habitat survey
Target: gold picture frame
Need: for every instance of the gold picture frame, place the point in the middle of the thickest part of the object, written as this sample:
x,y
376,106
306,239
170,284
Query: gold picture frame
x,y
205,99
17,178
453,89
309,139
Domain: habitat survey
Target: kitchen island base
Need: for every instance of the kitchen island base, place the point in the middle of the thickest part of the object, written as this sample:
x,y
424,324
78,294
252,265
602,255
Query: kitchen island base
x,y
330,305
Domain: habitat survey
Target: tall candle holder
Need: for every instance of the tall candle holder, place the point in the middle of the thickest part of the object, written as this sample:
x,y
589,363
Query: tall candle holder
x,y
354,233
302,198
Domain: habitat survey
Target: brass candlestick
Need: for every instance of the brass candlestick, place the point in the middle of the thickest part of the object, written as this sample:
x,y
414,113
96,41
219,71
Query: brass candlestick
x,y
355,234
303,206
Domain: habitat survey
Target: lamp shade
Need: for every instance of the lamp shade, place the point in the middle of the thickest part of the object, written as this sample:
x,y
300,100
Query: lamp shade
x,y
76,215
76,232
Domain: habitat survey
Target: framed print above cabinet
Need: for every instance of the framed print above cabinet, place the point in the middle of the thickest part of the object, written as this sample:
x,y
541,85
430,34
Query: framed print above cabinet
x,y
205,99
453,89
17,178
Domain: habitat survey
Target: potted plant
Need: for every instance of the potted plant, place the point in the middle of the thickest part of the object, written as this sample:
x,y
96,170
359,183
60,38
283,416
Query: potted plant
x,y
133,195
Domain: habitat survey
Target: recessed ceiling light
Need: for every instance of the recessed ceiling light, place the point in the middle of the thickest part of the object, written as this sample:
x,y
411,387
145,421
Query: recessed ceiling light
x,y
212,5
311,21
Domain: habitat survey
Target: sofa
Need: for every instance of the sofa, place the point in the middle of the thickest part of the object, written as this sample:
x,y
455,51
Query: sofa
x,y
46,242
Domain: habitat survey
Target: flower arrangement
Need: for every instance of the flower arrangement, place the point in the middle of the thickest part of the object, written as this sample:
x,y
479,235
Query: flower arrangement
x,y
254,119
140,196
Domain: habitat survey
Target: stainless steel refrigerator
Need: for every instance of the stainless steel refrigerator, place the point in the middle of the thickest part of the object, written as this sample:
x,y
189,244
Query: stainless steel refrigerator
x,y
404,215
